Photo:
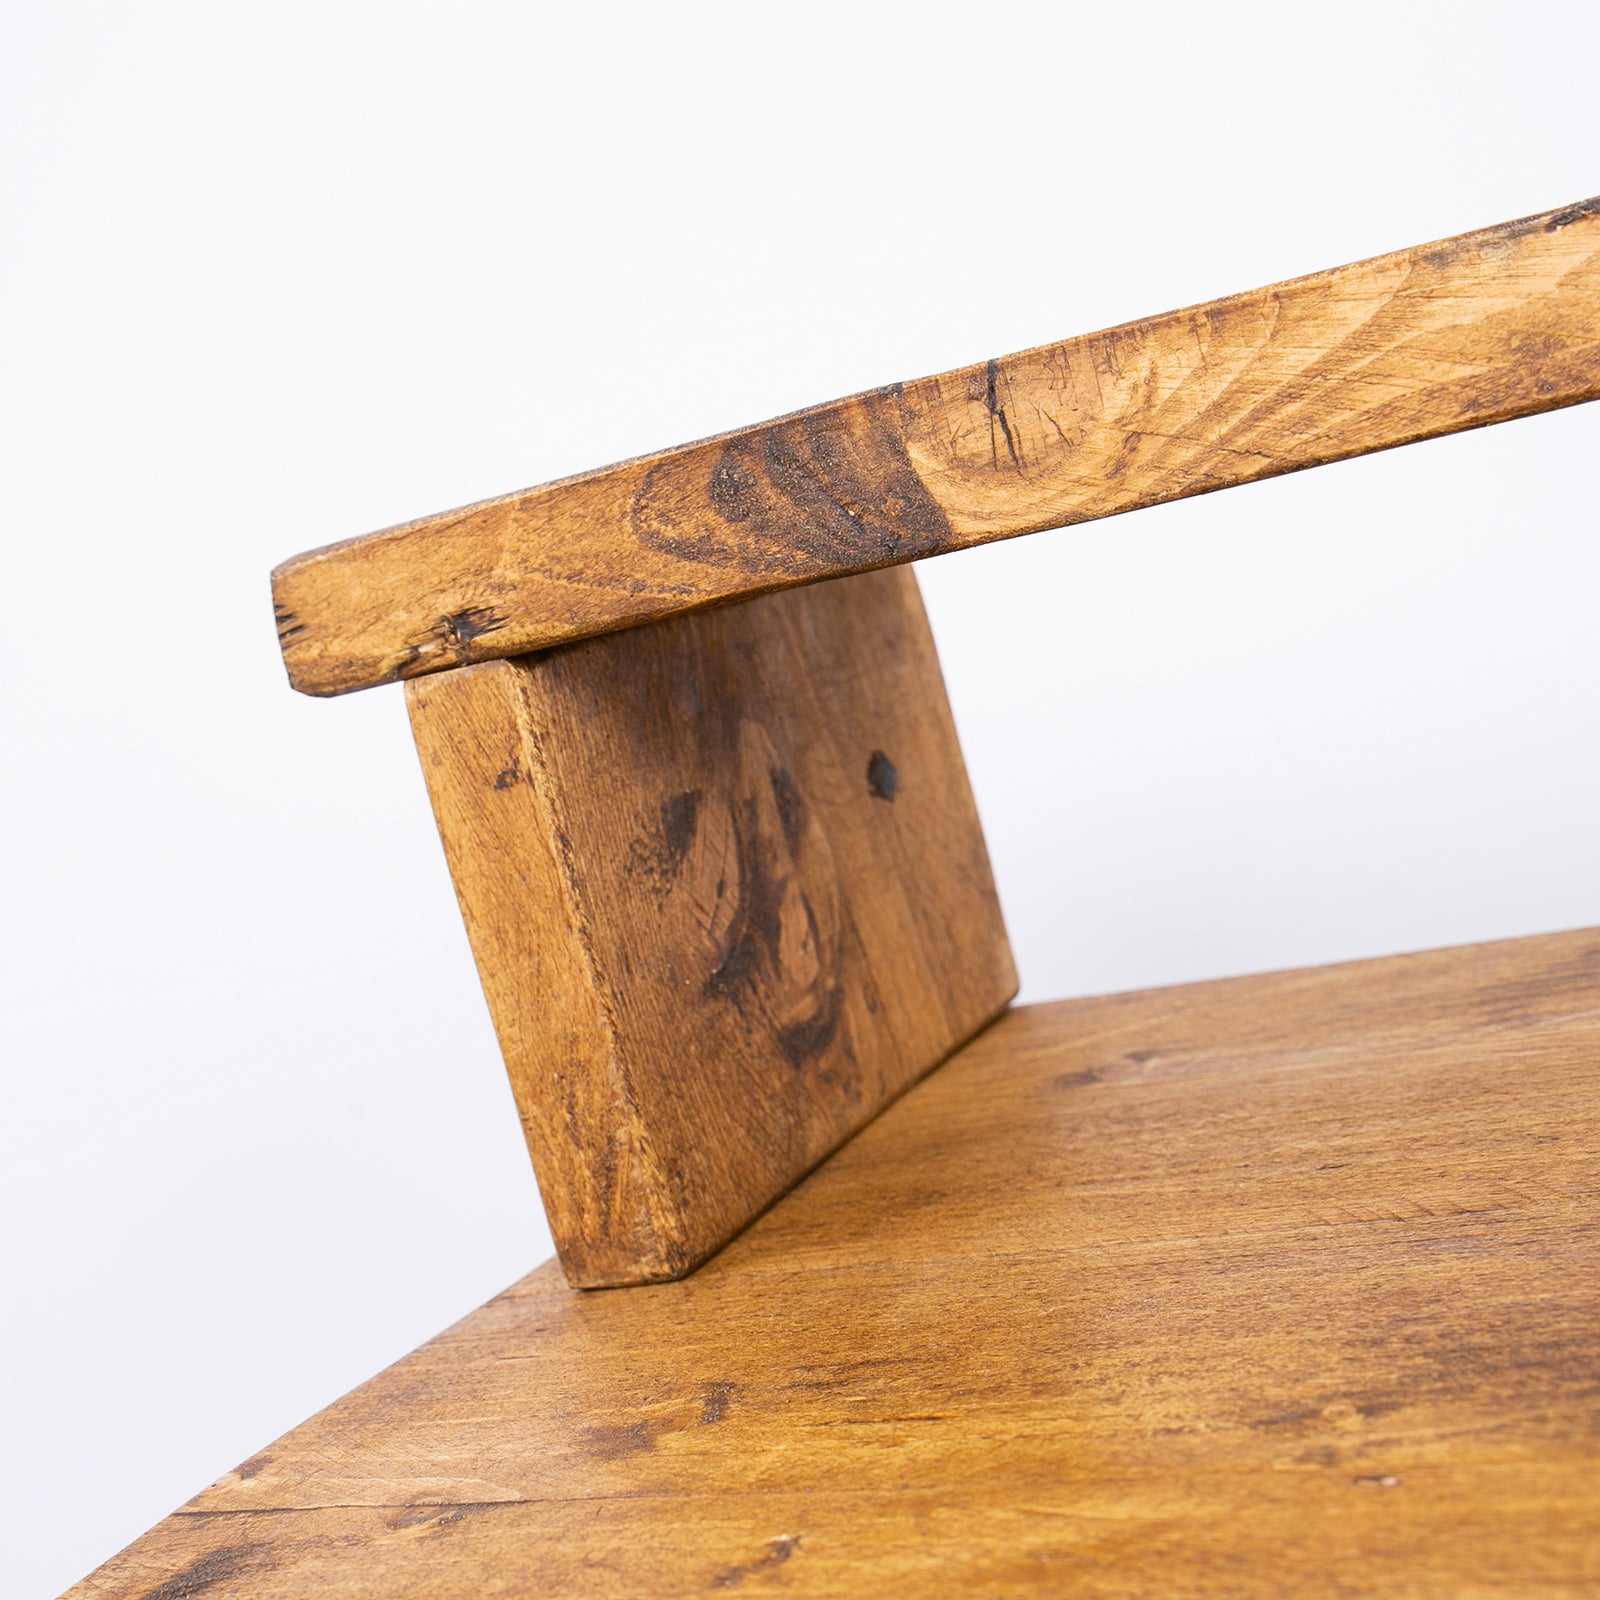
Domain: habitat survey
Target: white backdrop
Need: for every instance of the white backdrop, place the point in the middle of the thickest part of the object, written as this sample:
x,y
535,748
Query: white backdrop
x,y
275,274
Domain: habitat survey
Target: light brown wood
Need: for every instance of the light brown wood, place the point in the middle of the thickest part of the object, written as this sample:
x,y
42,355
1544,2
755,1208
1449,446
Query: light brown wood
x,y
1473,330
728,894
1280,1286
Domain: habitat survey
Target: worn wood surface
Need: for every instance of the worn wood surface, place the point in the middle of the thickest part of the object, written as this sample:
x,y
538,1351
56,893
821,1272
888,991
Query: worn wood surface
x,y
728,894
1473,330
1284,1285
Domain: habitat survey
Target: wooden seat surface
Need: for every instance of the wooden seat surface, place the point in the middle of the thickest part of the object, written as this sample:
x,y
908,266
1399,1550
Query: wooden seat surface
x,y
1284,1284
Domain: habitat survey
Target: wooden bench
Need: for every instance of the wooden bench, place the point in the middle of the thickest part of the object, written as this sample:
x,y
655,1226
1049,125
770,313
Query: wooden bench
x,y
1280,1284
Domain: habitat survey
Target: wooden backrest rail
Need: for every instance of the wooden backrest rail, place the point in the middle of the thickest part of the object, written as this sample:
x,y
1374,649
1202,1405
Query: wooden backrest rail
x,y
1477,329
723,876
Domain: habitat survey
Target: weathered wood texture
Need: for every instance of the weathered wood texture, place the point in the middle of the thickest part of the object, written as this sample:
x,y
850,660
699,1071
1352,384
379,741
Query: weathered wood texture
x,y
1474,330
728,894
1285,1285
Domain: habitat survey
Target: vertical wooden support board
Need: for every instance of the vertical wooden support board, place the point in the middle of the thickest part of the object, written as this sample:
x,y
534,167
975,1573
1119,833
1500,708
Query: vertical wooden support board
x,y
728,895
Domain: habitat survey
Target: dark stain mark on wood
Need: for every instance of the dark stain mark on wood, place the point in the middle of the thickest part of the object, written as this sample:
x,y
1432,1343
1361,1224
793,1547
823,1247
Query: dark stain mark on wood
x,y
716,1403
447,642
450,1514
882,780
791,813
797,496
678,815
778,1551
775,919
1075,1080
460,628
757,925
248,1469
774,928
217,1566
660,853
1577,213
616,1441
810,1037
507,777
440,1514
997,414
412,1517
1285,1419
407,663
890,1422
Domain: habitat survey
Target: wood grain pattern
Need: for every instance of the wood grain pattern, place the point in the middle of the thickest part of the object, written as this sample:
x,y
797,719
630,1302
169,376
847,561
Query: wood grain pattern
x,y
1283,1285
1473,330
728,894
